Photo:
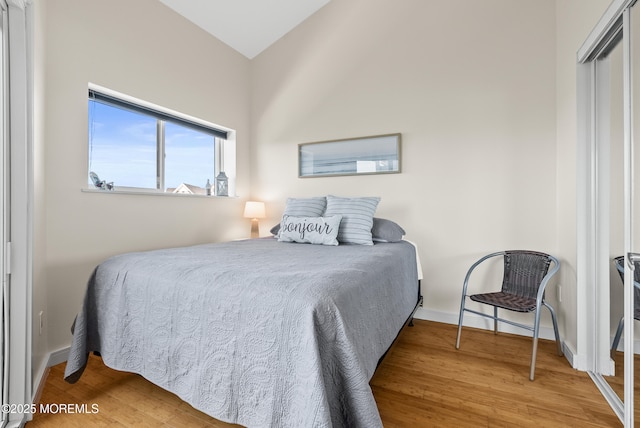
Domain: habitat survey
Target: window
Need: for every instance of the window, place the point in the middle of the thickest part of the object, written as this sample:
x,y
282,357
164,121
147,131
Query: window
x,y
136,146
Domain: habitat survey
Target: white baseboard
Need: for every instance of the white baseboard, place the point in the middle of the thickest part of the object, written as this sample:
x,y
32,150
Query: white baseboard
x,y
636,344
475,321
59,356
53,359
40,379
570,355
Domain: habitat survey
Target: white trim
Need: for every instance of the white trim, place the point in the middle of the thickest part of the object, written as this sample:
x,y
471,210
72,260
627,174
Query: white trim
x,y
59,356
593,226
609,395
600,255
20,76
570,355
118,191
636,345
19,4
628,213
5,193
475,321
584,213
40,379
598,35
53,359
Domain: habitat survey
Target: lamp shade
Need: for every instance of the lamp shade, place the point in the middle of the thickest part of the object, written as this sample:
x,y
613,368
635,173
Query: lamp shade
x,y
254,209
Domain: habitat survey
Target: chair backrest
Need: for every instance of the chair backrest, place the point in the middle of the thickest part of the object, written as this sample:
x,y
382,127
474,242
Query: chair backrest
x,y
620,267
524,271
636,280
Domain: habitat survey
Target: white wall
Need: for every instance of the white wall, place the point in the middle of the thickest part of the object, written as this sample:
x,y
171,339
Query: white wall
x,y
145,50
40,346
471,85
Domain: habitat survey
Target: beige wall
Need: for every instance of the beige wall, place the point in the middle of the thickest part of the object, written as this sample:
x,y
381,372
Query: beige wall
x,y
471,85
40,347
145,50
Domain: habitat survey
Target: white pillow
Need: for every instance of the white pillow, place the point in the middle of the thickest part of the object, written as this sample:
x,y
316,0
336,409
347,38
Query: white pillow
x,y
311,230
357,218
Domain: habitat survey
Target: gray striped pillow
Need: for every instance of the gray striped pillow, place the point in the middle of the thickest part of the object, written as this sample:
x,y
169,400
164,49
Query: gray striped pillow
x,y
357,218
305,207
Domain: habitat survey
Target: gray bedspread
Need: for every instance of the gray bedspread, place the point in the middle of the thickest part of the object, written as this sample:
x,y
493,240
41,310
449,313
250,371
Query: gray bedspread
x,y
256,332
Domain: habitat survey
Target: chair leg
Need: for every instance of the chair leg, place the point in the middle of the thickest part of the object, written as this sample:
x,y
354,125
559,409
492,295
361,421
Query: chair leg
x,y
616,339
536,330
554,319
533,358
495,320
460,322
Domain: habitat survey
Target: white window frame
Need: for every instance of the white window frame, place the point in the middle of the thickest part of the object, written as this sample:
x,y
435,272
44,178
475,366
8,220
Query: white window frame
x,y
224,148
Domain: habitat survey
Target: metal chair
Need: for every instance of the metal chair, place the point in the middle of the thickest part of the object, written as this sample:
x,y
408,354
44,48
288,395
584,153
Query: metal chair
x,y
619,262
526,275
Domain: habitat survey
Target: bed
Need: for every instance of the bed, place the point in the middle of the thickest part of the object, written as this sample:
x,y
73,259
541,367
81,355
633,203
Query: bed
x,y
256,332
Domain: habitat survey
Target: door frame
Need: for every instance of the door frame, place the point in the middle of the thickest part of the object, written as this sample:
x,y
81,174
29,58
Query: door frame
x,y
19,263
592,209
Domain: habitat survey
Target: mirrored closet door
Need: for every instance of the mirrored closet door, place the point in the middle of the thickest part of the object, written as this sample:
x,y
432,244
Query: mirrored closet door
x,y
607,79
609,65
634,293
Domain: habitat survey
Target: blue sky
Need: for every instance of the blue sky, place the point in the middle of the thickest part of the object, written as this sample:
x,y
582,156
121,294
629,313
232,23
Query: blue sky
x,y
122,149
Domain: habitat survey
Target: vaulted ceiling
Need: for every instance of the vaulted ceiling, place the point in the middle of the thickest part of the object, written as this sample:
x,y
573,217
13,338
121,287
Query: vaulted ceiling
x,y
248,26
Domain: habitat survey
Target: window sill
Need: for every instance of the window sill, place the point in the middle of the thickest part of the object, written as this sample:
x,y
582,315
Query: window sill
x,y
163,194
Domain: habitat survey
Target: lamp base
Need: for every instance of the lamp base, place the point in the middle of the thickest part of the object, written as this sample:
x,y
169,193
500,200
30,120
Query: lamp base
x,y
255,228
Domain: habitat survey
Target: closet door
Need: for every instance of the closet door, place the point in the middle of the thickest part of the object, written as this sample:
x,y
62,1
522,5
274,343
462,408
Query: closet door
x,y
607,79
4,205
632,292
611,157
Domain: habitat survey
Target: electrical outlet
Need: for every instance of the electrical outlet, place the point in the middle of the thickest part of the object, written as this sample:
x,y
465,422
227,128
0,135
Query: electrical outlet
x,y
41,321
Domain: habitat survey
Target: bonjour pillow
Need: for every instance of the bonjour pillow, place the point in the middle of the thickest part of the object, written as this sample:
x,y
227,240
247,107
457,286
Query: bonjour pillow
x,y
384,230
302,207
311,230
357,218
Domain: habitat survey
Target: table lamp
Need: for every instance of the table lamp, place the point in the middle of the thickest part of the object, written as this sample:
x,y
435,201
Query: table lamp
x,y
254,211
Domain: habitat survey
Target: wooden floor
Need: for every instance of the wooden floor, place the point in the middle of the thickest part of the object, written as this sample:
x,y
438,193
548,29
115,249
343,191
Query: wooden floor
x,y
423,382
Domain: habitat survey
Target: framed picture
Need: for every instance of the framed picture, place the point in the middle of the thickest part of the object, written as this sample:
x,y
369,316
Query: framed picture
x,y
378,154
